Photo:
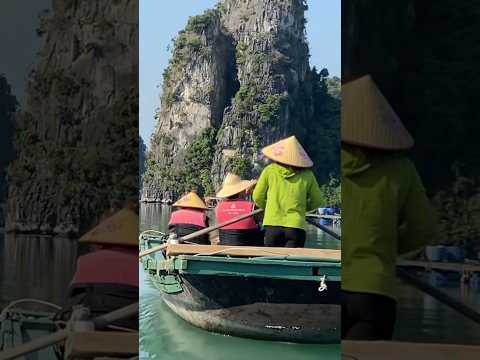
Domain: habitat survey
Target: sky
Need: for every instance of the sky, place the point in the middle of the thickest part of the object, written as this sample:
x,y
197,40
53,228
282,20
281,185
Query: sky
x,y
160,21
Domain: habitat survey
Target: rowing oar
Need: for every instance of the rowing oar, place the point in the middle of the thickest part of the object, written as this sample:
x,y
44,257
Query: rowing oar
x,y
441,296
61,335
324,228
202,232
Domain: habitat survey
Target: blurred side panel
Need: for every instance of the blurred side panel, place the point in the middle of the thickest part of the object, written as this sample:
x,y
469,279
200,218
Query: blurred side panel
x,y
69,174
423,56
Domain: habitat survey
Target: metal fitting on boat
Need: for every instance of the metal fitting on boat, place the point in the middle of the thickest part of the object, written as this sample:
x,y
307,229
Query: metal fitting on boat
x,y
172,239
323,285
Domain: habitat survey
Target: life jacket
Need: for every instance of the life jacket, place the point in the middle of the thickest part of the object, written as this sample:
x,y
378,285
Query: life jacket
x,y
229,209
117,265
188,216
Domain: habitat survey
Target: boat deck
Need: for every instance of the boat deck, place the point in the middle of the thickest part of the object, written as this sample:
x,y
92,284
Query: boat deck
x,y
251,251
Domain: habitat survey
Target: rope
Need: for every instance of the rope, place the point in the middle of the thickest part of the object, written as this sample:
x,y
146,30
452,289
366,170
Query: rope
x,y
323,285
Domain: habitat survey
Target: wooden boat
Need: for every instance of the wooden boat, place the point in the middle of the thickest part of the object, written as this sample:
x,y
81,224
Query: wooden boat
x,y
256,292
20,327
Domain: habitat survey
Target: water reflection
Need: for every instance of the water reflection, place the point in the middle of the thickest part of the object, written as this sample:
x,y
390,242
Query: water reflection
x,y
36,267
421,317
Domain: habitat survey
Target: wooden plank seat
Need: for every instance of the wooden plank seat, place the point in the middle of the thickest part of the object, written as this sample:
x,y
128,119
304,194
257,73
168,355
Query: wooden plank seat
x,y
91,344
251,251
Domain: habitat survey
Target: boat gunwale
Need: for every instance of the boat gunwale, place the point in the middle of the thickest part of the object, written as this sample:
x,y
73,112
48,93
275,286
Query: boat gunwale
x,y
245,267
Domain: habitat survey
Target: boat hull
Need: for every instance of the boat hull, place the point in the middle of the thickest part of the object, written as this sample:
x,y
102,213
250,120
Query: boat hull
x,y
261,308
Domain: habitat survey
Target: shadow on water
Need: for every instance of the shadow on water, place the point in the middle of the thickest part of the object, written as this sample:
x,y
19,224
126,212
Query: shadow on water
x,y
33,266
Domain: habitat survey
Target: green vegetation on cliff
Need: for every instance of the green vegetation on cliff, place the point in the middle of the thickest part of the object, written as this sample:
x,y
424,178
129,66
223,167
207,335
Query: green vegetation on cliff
x,y
316,122
195,170
186,45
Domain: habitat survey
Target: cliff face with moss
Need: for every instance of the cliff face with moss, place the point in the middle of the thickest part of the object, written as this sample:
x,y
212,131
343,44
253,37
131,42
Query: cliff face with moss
x,y
239,79
77,135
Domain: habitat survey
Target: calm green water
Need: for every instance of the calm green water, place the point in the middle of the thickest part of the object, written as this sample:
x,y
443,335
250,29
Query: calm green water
x,y
165,336
33,266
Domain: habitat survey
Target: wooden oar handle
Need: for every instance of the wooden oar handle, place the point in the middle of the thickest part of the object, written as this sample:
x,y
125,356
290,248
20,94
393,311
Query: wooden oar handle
x,y
152,250
202,232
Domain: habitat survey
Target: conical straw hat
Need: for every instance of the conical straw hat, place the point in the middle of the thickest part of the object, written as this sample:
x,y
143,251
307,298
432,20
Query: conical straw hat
x,y
288,151
233,184
118,229
191,200
369,120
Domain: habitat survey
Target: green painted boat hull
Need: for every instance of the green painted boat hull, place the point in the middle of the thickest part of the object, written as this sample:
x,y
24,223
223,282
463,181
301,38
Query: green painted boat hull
x,y
29,326
269,298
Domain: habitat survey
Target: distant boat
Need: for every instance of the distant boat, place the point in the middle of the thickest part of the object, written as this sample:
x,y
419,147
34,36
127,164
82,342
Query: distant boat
x,y
282,294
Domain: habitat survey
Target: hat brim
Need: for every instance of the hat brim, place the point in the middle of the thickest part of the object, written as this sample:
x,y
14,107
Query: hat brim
x,y
231,190
118,229
368,120
186,205
294,161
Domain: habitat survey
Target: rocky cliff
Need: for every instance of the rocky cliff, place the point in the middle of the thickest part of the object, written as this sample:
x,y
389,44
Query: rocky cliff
x,y
77,135
239,79
8,105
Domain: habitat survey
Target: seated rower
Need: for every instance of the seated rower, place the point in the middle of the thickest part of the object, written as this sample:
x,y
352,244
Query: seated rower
x,y
234,193
189,218
106,279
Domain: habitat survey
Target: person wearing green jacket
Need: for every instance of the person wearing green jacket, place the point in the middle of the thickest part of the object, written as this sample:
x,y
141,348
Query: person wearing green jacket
x,y
385,210
286,190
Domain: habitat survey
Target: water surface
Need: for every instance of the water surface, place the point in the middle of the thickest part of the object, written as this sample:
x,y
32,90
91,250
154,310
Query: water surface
x,y
165,336
35,266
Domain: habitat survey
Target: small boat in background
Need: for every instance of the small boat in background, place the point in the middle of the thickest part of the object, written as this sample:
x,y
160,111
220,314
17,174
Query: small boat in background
x,y
167,201
282,294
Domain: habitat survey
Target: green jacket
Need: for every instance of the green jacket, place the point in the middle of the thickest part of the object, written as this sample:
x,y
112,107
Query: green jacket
x,y
286,195
385,213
